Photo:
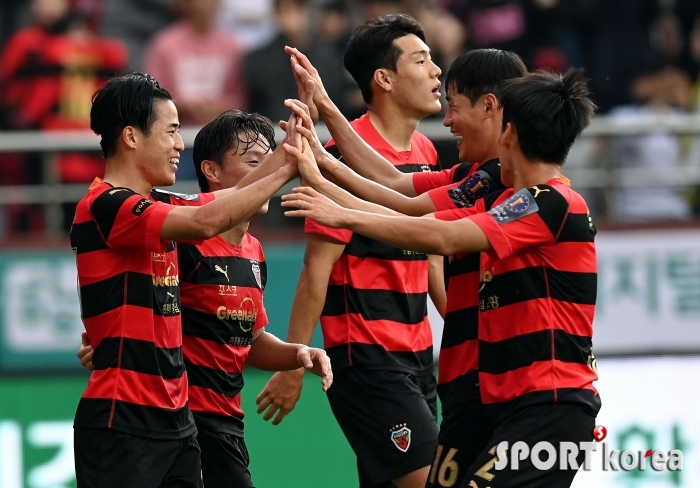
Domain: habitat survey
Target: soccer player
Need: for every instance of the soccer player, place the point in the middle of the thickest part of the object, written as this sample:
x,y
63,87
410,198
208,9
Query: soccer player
x,y
538,285
133,426
372,298
474,83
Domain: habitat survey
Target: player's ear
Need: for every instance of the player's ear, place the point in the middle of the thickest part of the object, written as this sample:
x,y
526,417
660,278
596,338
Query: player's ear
x,y
508,135
211,170
130,136
490,104
383,79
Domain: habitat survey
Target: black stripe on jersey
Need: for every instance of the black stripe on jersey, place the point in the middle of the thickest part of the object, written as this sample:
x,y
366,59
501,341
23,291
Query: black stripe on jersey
x,y
167,301
531,283
134,418
85,237
209,327
577,228
490,199
227,384
139,356
103,296
516,352
232,271
552,205
364,247
416,168
461,172
106,207
405,308
460,326
375,356
461,389
584,398
573,287
464,264
571,348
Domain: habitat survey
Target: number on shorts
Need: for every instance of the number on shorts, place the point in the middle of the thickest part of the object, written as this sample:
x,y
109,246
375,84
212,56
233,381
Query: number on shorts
x,y
483,472
447,474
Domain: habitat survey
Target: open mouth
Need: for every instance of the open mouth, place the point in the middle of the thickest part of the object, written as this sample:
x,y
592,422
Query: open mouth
x,y
436,90
174,161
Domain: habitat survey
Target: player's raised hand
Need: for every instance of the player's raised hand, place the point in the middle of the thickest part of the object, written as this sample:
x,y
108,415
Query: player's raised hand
x,y
305,88
303,69
311,204
281,394
308,169
307,130
85,352
317,361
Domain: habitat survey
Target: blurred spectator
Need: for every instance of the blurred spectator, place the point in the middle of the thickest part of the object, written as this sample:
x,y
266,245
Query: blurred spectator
x,y
660,91
616,40
199,63
251,21
371,9
135,22
444,33
268,74
9,17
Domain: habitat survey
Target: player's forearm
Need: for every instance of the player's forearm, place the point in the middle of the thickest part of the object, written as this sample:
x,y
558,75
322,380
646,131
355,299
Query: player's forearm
x,y
360,156
369,191
436,283
271,354
348,200
308,304
420,234
224,213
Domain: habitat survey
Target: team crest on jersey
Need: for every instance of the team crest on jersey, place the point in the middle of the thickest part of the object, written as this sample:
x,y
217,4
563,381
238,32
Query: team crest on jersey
x,y
424,168
401,437
255,266
516,206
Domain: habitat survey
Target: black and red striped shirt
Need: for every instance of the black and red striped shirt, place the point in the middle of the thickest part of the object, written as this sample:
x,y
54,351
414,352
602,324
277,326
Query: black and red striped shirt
x,y
130,301
458,362
537,298
375,315
222,304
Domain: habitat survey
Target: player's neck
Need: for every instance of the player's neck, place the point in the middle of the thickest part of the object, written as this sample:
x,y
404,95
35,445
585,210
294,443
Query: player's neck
x,y
119,172
235,236
393,125
527,173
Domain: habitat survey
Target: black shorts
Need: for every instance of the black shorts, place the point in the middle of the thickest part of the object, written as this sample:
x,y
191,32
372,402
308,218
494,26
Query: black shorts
x,y
554,423
106,458
225,460
464,432
389,419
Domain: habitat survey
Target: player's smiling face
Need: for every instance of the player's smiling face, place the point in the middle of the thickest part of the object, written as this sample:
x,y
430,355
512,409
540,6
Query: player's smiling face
x,y
159,153
466,123
415,85
238,162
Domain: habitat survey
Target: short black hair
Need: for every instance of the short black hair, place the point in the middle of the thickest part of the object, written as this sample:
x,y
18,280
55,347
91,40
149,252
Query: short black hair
x,y
372,47
481,71
227,132
548,111
124,100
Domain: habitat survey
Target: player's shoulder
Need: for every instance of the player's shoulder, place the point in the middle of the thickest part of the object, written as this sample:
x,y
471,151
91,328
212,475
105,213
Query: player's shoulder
x,y
252,248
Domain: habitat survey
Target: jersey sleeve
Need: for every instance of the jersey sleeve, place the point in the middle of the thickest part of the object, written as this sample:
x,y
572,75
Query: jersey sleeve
x,y
127,219
182,199
531,217
341,235
427,180
461,213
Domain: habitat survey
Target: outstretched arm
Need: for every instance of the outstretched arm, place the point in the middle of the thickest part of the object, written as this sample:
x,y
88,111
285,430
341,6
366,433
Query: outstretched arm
x,y
421,234
360,156
271,354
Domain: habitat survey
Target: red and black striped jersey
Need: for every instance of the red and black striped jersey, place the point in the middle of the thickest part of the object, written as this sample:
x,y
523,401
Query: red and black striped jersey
x,y
222,304
130,302
537,299
375,315
458,362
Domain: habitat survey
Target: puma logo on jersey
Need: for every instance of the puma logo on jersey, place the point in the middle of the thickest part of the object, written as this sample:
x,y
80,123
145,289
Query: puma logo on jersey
x,y
117,190
170,295
538,191
223,272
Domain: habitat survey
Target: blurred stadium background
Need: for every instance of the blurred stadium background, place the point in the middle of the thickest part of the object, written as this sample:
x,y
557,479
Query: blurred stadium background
x,y
638,166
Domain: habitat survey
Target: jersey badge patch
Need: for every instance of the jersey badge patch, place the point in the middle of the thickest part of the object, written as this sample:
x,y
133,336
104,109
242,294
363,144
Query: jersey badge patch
x,y
516,206
401,437
256,272
469,191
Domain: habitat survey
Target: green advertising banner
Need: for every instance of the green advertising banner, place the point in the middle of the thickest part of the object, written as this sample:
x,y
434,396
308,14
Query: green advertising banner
x,y
307,449
40,322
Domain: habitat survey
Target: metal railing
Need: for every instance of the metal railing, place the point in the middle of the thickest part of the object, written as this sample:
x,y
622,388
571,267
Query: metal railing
x,y
600,173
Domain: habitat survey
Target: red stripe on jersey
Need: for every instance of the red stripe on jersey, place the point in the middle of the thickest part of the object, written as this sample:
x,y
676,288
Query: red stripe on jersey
x,y
393,336
457,360
138,388
426,181
540,376
138,315
204,400
402,276
572,318
463,291
222,357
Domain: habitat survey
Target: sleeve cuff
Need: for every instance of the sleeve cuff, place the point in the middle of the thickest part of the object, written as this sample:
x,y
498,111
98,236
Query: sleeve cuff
x,y
341,235
156,215
493,232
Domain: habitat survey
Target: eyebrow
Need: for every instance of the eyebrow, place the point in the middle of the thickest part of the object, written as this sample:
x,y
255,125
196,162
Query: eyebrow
x,y
174,125
422,51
